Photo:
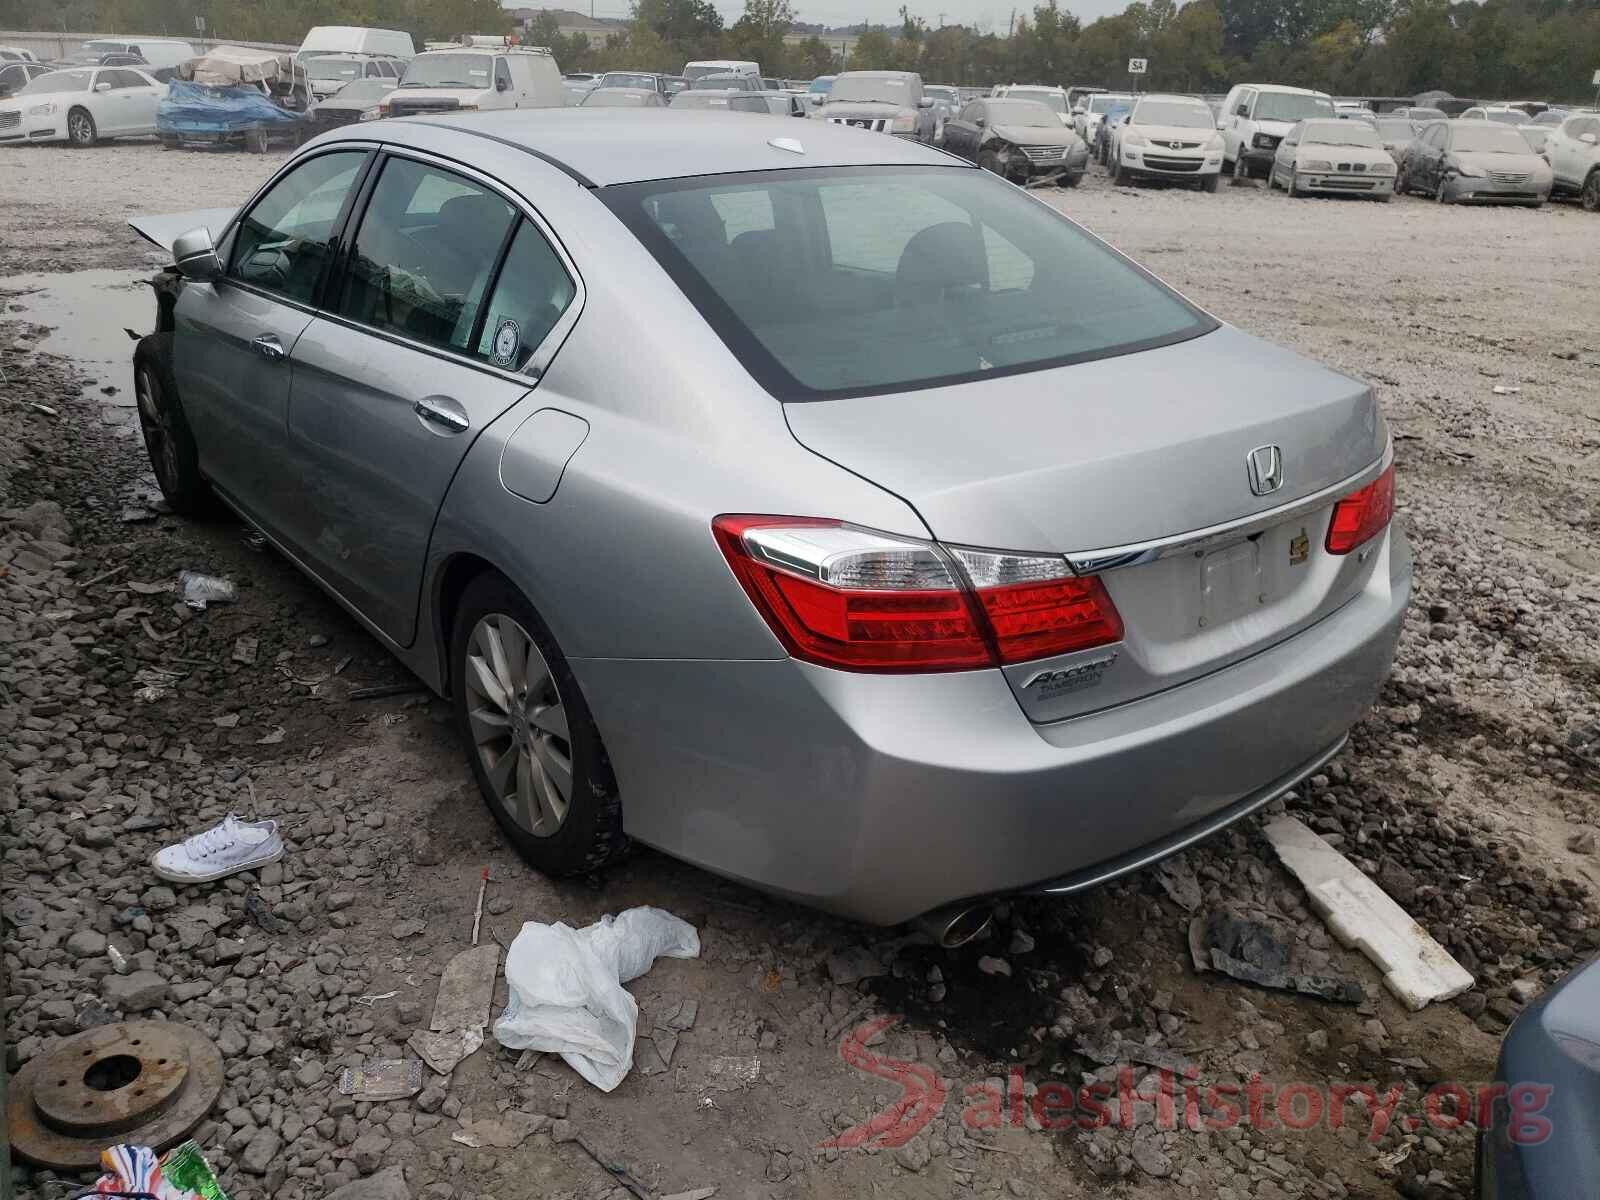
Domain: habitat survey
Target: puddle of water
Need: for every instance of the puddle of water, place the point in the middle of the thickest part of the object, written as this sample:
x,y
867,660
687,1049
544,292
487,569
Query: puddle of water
x,y
88,312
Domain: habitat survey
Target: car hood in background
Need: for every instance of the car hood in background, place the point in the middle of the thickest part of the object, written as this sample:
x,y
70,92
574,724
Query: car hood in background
x,y
164,230
1036,135
1165,135
876,109
1367,155
1529,163
1104,453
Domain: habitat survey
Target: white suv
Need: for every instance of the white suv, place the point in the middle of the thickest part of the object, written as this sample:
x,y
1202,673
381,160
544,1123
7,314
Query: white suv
x,y
1255,118
1573,152
1053,98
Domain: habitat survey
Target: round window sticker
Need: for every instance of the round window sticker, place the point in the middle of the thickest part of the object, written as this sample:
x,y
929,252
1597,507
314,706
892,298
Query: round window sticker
x,y
507,341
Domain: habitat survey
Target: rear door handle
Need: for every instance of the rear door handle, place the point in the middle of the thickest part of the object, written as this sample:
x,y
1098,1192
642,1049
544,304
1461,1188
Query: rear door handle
x,y
442,412
269,347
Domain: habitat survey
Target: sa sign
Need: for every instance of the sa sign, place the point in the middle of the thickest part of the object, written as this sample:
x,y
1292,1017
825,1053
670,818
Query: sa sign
x,y
1138,66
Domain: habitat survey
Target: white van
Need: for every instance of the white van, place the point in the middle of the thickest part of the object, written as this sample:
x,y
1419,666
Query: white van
x,y
159,53
1256,116
356,39
722,66
473,78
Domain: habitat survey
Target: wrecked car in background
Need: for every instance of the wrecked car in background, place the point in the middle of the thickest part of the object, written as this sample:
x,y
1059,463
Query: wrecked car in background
x,y
235,96
1020,140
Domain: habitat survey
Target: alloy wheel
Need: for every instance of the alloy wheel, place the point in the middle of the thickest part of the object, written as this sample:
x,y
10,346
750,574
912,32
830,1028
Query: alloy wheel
x,y
80,128
519,725
156,424
1590,196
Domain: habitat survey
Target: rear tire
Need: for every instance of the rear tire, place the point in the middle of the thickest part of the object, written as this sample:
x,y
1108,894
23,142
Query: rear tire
x,y
523,750
167,437
81,130
1400,180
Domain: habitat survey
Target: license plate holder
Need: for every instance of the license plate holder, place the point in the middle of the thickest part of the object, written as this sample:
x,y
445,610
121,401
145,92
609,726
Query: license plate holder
x,y
1231,583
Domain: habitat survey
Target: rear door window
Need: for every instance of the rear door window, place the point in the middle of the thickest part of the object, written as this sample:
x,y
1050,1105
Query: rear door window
x,y
424,255
284,243
533,291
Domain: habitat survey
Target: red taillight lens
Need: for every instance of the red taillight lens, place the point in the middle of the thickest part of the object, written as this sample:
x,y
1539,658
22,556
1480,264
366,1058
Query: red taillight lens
x,y
1362,515
866,601
1036,620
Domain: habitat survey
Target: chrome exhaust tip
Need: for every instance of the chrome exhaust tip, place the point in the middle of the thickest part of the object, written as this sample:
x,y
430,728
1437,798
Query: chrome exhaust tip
x,y
957,924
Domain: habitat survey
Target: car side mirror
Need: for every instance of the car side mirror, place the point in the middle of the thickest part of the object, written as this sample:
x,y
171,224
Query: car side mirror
x,y
102,87
196,256
816,99
980,122
1079,111
925,102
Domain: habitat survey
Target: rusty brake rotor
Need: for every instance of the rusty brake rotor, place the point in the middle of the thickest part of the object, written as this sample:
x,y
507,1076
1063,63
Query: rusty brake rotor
x,y
144,1082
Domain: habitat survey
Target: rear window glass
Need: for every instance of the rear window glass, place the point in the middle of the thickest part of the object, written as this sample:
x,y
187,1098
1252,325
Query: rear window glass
x,y
847,281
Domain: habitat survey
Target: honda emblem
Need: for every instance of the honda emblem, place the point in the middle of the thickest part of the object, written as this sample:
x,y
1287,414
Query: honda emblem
x,y
1265,467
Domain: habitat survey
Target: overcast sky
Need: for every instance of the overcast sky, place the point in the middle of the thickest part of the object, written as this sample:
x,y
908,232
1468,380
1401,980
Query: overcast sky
x,y
985,14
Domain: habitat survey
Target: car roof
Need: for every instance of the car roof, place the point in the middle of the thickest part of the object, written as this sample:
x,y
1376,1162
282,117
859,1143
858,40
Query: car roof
x,y
1169,97
618,145
877,74
1281,87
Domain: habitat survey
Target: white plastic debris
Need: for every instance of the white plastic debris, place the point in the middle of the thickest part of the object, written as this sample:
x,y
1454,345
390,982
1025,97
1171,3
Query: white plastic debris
x,y
1415,967
566,988
200,590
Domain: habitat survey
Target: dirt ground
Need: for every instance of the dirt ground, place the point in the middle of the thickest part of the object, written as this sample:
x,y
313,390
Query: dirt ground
x,y
1470,792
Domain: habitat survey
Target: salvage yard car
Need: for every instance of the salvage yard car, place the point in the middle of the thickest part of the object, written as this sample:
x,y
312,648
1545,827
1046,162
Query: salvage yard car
x,y
1257,116
882,101
471,78
1475,161
1019,140
1573,151
81,106
1167,137
883,571
361,100
1338,157
233,95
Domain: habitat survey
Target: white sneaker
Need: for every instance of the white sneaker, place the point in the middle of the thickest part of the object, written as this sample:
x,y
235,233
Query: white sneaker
x,y
222,850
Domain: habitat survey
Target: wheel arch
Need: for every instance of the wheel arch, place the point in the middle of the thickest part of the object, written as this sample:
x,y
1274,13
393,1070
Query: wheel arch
x,y
450,582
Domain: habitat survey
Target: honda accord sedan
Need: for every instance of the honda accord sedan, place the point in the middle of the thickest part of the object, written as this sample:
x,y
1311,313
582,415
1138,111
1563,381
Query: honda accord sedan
x,y
814,507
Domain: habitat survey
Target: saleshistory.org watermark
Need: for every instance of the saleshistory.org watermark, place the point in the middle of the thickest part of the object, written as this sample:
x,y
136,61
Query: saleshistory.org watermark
x,y
1178,1098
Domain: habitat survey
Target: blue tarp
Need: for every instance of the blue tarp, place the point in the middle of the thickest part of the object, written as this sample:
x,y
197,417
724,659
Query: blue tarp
x,y
196,108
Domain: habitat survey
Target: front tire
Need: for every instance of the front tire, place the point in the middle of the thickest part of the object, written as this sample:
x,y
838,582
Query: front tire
x,y
1589,197
1241,169
1211,183
1114,164
1291,189
990,161
530,739
1441,193
256,141
167,437
81,131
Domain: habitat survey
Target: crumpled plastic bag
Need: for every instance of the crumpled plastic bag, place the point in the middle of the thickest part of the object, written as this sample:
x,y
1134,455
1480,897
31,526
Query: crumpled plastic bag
x,y
566,988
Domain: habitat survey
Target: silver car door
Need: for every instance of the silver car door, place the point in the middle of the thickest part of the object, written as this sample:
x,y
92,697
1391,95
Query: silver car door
x,y
418,353
234,336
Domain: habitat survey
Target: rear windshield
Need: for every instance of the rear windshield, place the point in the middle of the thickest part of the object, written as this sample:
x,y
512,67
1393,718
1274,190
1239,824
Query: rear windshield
x,y
615,98
1104,104
1396,130
323,67
1291,106
626,79
700,100
848,281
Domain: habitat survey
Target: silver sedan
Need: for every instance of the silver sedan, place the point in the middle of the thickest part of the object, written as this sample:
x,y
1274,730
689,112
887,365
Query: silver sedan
x,y
811,506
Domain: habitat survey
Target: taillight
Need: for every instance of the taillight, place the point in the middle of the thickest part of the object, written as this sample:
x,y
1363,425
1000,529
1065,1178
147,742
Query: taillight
x,y
860,600
1362,515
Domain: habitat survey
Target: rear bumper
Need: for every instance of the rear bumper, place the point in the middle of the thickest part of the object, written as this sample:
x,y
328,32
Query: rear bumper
x,y
880,797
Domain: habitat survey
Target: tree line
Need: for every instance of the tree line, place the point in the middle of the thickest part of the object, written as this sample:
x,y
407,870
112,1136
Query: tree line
x,y
1496,49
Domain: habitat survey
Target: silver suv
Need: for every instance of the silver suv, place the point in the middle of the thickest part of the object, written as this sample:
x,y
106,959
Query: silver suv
x,y
884,102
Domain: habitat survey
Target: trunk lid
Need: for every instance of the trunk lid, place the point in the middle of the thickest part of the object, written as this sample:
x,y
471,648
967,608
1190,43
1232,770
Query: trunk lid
x,y
1096,459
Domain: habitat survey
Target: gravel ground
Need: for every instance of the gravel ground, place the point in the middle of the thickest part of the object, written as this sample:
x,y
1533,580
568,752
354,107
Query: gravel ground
x,y
1469,793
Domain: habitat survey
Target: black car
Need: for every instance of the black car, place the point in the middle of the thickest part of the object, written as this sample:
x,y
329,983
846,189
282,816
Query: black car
x,y
1543,1142
358,100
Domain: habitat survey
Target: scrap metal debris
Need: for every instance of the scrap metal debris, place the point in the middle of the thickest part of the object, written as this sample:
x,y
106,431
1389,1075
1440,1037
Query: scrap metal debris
x,y
1261,953
143,1082
201,590
382,1079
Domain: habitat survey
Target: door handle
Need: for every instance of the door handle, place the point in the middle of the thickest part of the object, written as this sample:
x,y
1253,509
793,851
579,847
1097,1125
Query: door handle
x,y
269,347
443,412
